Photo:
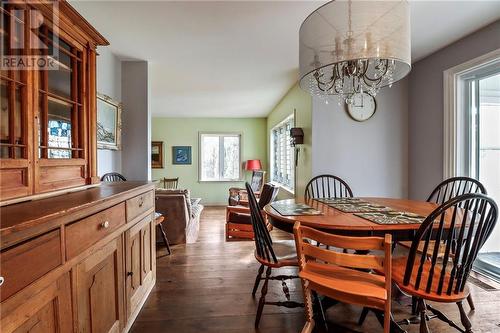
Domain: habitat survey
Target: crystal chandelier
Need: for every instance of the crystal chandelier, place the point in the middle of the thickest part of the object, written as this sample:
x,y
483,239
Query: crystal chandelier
x,y
349,47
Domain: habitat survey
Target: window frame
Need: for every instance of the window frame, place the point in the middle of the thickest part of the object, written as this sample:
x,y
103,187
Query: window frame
x,y
288,187
221,161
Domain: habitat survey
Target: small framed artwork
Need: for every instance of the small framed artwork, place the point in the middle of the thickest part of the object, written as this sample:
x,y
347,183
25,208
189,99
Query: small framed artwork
x,y
181,155
157,154
109,123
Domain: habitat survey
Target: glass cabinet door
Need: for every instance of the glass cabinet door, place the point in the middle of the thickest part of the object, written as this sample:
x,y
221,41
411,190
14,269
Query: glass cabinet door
x,y
12,87
60,100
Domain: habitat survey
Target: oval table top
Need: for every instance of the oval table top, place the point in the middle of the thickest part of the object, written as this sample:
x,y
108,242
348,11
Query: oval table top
x,y
336,221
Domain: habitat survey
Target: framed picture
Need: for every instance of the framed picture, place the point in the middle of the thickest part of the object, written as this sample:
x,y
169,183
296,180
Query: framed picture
x,y
181,155
109,123
157,154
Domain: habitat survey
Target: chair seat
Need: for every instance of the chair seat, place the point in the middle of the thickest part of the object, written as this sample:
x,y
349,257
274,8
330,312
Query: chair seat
x,y
285,253
346,284
239,217
398,273
430,249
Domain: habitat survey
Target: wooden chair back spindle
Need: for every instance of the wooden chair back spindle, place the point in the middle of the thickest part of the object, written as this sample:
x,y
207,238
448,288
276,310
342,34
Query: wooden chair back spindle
x,y
464,223
327,186
267,195
263,241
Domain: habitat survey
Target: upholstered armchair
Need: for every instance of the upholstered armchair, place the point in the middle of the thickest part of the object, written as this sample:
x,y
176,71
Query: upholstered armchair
x,y
238,196
238,220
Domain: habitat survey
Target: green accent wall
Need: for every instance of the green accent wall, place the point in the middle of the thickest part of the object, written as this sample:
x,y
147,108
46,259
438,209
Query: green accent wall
x,y
301,101
185,132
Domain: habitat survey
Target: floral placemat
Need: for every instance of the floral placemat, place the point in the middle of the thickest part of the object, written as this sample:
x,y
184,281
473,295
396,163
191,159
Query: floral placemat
x,y
294,209
392,217
354,205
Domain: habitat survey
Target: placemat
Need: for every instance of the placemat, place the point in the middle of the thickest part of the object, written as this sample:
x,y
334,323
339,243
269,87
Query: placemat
x,y
294,209
354,205
392,217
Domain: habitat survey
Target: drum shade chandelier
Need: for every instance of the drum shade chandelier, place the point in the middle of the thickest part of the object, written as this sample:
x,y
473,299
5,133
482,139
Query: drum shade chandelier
x,y
349,47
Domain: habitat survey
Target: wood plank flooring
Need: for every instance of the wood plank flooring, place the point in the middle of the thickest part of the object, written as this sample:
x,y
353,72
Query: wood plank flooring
x,y
206,287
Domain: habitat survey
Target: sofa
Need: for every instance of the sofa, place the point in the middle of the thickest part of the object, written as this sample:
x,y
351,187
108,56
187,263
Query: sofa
x,y
182,215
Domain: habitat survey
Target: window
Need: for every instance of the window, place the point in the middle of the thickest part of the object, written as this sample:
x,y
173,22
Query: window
x,y
282,159
472,139
220,157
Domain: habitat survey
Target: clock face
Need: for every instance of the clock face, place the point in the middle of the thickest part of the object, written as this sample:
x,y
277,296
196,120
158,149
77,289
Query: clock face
x,y
362,108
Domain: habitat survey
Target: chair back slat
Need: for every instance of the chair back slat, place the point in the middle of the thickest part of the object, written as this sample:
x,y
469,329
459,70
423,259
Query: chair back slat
x,y
361,243
327,186
113,177
262,238
357,261
462,225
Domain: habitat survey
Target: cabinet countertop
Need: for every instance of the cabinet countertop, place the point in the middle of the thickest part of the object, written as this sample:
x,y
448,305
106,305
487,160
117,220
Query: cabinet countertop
x,y
26,219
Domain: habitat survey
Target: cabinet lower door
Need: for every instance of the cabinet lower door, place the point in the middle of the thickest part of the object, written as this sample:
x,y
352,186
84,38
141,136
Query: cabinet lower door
x,y
99,281
140,262
46,311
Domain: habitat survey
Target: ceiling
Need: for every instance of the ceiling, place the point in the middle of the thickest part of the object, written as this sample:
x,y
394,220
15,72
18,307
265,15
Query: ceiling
x,y
239,58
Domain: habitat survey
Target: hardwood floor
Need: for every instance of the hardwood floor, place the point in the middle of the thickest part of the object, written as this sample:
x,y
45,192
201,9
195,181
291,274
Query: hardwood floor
x,y
206,287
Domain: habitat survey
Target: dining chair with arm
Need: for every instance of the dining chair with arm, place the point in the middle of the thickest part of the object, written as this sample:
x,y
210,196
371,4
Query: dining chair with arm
x,y
342,276
327,186
446,190
462,224
271,255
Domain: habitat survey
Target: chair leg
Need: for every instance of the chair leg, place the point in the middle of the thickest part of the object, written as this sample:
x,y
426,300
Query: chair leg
x,y
362,318
471,302
421,308
414,303
262,299
164,236
320,310
463,317
257,280
309,326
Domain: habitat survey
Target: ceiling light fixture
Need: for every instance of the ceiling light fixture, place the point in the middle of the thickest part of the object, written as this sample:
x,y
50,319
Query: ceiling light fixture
x,y
349,47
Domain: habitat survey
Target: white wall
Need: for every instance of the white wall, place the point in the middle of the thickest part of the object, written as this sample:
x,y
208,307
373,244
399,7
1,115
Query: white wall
x,y
109,76
136,129
371,156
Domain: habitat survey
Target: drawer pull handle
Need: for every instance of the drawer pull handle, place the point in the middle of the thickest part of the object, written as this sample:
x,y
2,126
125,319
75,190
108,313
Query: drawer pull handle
x,y
130,273
1,280
141,202
105,225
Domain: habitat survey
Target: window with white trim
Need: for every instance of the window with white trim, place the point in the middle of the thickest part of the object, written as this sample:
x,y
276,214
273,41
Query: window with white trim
x,y
282,157
220,157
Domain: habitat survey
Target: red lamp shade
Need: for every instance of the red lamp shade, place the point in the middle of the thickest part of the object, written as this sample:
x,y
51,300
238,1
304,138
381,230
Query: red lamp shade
x,y
252,165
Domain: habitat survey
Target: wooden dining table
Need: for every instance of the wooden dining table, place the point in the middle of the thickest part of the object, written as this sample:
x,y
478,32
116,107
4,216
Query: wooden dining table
x,y
337,222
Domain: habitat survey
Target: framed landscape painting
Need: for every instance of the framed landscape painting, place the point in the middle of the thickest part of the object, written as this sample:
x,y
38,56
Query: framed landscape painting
x,y
181,155
109,123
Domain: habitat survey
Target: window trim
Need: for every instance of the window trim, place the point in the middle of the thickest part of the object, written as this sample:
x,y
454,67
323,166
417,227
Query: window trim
x,y
271,157
455,110
240,162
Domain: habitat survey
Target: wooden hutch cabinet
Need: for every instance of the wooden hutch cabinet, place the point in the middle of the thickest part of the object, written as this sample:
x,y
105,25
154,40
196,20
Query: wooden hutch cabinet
x,y
75,255
47,132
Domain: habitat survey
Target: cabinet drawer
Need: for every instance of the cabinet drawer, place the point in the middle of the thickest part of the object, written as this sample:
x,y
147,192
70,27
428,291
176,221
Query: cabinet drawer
x,y
139,204
24,263
84,233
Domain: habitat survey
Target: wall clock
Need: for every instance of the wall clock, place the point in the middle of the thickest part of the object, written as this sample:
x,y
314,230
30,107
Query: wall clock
x,y
362,108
